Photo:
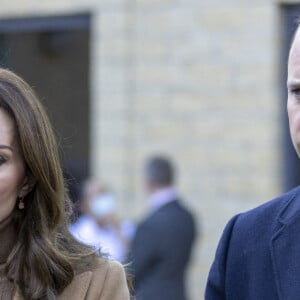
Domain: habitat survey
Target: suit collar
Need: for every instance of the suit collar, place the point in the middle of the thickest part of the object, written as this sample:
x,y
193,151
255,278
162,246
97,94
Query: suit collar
x,y
291,208
76,290
161,197
285,248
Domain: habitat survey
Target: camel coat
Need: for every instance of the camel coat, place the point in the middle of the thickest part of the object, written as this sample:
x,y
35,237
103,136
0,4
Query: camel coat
x,y
107,282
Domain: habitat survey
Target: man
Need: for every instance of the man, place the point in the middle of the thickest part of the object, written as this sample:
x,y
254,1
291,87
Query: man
x,y
258,257
162,246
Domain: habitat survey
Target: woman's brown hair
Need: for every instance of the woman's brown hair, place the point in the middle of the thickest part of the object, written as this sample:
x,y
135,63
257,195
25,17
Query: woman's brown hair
x,y
45,257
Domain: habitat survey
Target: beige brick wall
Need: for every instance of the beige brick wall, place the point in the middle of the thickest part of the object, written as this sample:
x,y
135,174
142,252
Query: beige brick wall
x,y
193,79
206,94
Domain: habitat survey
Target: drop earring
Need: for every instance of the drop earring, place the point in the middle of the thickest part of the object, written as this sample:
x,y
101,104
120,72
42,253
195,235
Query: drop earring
x,y
21,204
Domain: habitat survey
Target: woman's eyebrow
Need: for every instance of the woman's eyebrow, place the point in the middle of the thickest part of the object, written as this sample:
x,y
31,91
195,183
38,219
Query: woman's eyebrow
x,y
6,147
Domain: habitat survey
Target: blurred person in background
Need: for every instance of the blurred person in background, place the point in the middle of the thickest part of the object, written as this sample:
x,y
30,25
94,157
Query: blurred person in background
x,y
162,246
98,225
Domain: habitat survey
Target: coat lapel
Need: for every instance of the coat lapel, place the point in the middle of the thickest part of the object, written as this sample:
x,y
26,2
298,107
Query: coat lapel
x,y
285,250
78,287
76,290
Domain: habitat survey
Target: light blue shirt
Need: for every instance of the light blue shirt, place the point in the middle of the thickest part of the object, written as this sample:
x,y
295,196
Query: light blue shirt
x,y
162,197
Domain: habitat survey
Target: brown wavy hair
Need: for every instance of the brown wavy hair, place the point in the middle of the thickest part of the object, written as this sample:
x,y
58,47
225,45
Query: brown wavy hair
x,y
45,257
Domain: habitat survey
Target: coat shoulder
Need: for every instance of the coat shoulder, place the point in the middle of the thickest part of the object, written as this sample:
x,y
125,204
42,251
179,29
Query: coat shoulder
x,y
244,247
168,212
106,281
258,225
271,211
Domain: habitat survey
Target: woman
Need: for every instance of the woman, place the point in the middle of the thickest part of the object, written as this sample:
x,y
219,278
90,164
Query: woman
x,y
39,259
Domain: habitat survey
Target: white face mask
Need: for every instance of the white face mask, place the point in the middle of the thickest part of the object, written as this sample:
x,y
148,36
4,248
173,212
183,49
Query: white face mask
x,y
102,205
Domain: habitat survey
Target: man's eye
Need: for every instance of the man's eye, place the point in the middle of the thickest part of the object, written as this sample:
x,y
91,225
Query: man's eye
x,y
296,92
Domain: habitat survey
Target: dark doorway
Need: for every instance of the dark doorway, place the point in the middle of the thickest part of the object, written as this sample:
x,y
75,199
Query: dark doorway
x,y
290,16
52,54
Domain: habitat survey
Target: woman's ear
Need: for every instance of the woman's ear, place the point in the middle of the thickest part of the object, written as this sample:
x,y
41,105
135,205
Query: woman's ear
x,y
27,186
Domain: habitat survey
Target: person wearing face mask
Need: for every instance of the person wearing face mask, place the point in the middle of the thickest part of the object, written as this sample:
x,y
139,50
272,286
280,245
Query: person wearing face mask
x,y
98,226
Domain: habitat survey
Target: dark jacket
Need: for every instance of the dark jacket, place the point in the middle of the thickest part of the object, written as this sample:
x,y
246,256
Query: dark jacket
x,y
160,253
258,257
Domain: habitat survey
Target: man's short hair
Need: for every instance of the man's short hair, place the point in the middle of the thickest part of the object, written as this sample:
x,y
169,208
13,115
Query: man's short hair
x,y
159,171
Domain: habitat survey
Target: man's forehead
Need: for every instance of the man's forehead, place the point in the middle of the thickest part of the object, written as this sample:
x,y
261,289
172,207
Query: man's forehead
x,y
295,47
294,60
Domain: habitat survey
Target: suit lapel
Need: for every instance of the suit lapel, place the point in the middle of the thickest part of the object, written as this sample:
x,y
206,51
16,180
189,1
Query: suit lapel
x,y
285,250
76,290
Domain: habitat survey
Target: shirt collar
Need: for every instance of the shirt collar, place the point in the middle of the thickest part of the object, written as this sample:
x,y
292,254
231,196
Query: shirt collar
x,y
162,197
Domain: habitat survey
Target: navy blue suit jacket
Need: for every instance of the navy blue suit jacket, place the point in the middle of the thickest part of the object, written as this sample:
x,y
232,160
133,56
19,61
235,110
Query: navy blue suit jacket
x,y
160,253
258,257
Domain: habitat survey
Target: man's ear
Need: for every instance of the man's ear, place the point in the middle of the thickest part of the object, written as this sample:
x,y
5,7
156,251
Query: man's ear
x,y
27,186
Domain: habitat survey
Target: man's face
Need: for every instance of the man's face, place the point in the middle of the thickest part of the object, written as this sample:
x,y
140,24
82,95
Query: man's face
x,y
293,85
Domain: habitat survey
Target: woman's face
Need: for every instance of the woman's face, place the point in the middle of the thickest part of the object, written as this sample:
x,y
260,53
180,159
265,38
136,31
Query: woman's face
x,y
12,167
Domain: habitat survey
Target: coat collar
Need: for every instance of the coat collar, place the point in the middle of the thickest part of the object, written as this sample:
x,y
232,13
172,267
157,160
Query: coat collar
x,y
76,290
291,209
285,248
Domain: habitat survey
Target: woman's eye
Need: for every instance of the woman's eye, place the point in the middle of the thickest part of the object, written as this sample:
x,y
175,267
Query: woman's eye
x,y
2,160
